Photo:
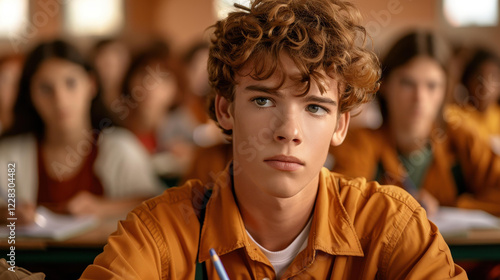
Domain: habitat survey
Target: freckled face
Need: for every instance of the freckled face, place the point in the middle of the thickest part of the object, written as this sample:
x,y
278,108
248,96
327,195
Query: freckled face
x,y
281,139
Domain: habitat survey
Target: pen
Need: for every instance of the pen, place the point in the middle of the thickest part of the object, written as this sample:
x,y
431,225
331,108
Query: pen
x,y
218,265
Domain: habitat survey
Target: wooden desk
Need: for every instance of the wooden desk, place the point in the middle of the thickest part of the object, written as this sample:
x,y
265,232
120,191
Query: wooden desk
x,y
476,245
68,259
60,259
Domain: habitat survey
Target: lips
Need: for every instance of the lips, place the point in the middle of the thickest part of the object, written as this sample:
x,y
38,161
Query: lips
x,y
284,163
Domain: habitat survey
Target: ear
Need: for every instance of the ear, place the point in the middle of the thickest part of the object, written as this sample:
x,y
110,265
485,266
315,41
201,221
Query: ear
x,y
341,131
224,112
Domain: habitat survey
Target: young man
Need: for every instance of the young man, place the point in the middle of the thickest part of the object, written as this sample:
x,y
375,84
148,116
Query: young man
x,y
286,73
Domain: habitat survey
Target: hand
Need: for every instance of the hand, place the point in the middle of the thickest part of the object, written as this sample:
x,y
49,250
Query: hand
x,y
85,203
495,144
429,202
25,214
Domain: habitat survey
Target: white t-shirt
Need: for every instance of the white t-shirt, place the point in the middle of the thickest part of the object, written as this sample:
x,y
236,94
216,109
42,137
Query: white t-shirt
x,y
281,260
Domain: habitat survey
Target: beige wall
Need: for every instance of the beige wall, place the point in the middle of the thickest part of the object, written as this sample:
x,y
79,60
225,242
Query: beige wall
x,y
184,21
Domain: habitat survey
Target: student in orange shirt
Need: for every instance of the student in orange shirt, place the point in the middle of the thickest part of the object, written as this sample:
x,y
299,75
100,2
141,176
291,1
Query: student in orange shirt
x,y
286,74
478,108
440,163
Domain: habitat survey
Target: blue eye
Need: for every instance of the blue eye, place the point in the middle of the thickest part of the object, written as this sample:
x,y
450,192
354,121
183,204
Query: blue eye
x,y
262,102
317,110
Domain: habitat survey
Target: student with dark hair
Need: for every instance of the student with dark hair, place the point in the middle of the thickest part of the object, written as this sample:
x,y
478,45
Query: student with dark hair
x,y
68,155
111,58
286,74
436,161
152,97
478,107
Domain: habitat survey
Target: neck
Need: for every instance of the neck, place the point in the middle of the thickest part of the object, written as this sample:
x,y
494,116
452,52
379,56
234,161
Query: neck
x,y
56,136
140,125
409,142
274,222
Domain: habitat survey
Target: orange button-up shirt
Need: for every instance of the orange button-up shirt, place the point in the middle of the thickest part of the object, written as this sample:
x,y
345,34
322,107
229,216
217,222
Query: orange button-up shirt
x,y
365,150
359,230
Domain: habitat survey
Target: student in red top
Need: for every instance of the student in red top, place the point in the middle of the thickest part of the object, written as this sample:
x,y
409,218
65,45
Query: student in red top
x,y
68,155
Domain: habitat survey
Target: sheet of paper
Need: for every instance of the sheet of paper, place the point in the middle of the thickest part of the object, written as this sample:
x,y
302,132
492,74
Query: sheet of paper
x,y
459,222
54,226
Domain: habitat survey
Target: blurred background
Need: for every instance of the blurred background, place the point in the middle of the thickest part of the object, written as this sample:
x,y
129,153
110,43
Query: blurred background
x,y
145,67
182,22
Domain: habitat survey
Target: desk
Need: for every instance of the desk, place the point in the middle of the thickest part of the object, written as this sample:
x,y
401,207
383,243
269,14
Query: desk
x,y
64,259
477,246
68,259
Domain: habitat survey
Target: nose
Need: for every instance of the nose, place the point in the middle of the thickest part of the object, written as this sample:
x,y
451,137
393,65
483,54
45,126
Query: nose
x,y
60,98
419,94
288,130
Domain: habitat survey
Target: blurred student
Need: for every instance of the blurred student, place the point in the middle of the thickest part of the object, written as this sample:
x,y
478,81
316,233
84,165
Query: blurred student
x,y
213,152
151,108
206,133
66,152
415,149
286,74
10,72
478,109
111,59
209,162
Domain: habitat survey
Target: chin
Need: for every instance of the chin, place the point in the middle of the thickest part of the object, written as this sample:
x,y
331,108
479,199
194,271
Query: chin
x,y
283,187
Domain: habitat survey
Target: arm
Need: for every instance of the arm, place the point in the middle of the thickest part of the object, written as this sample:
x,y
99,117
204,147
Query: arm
x,y
419,252
124,167
480,165
131,253
85,203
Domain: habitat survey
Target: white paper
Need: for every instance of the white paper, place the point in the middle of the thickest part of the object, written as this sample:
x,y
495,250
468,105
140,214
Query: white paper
x,y
458,222
53,226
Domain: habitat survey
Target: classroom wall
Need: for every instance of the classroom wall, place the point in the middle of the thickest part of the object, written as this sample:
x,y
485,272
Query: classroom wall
x,y
182,22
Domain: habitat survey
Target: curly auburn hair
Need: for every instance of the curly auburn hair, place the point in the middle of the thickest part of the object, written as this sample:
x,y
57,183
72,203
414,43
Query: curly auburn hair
x,y
316,34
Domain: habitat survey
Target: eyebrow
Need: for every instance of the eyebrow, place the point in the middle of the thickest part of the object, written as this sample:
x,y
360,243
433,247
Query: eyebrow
x,y
310,98
319,99
263,89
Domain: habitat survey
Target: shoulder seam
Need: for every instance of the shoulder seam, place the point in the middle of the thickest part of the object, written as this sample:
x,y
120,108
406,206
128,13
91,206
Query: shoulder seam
x,y
402,224
143,216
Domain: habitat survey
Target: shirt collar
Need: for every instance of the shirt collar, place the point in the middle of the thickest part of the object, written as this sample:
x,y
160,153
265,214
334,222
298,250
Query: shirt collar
x,y
332,230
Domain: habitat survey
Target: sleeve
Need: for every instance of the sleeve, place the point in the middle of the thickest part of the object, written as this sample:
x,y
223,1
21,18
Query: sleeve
x,y
131,253
21,152
355,157
420,252
480,165
124,167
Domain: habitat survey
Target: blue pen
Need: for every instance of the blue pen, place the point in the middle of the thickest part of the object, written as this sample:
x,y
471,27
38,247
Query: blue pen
x,y
218,265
